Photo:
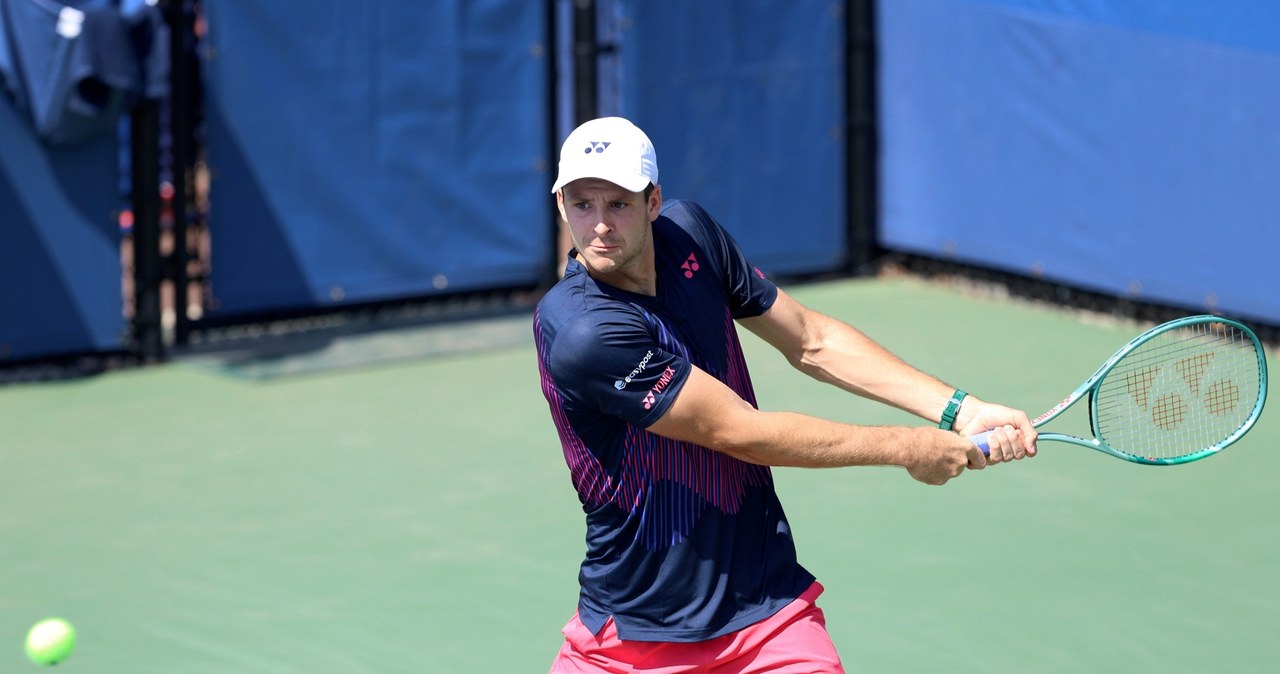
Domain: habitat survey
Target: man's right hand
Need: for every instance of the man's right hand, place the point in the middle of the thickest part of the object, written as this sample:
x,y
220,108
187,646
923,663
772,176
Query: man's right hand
x,y
940,455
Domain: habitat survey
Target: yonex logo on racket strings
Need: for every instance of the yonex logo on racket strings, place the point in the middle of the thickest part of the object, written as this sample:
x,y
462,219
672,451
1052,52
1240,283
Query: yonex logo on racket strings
x,y
1163,390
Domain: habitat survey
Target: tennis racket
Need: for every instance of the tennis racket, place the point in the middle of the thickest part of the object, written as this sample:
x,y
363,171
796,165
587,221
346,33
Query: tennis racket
x,y
1179,392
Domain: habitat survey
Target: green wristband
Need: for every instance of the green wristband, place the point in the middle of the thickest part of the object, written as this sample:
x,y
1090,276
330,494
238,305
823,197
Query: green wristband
x,y
953,408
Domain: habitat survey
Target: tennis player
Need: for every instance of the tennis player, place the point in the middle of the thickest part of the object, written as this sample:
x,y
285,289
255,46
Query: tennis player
x,y
690,563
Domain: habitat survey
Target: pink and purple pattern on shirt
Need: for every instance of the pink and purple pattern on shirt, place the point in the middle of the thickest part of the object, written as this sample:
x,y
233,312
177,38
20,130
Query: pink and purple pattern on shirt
x,y
669,482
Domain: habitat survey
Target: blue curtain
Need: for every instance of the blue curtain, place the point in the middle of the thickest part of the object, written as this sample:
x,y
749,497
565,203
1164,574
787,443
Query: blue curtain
x,y
744,102
1130,148
366,151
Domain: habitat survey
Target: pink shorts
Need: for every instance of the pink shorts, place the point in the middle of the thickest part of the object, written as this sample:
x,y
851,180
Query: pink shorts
x,y
792,641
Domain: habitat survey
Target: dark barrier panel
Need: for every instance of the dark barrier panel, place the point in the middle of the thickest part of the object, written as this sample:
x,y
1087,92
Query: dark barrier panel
x,y
59,248
365,151
1131,148
744,101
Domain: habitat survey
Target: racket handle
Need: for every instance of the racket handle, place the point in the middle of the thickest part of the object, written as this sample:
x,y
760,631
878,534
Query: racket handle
x,y
981,441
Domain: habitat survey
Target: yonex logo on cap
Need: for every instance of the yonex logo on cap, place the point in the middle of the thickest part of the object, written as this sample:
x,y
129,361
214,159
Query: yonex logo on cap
x,y
596,146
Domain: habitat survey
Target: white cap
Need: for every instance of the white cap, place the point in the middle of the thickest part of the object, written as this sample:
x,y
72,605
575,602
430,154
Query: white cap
x,y
609,148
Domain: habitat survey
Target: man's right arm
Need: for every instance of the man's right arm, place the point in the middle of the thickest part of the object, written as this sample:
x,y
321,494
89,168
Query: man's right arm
x,y
835,352
710,414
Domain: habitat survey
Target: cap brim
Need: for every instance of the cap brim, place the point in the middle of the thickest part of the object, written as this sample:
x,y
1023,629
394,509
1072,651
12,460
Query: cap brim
x,y
631,183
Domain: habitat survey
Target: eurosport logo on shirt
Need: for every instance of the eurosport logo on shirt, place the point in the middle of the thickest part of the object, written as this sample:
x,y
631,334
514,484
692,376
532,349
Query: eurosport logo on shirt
x,y
644,362
651,397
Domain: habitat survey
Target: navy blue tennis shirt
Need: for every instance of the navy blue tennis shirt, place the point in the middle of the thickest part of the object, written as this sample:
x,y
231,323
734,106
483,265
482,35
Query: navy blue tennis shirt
x,y
683,543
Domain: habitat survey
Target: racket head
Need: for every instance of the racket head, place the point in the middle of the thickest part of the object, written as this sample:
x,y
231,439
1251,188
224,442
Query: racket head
x,y
1180,392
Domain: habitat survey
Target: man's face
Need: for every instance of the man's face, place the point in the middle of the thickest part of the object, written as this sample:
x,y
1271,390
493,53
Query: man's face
x,y
610,227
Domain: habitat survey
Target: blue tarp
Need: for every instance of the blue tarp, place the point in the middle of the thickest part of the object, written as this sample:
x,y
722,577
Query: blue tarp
x,y
744,101
67,72
60,290
1131,148
375,150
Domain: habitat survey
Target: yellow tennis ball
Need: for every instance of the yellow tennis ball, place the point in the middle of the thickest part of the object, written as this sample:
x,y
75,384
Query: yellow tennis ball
x,y
50,641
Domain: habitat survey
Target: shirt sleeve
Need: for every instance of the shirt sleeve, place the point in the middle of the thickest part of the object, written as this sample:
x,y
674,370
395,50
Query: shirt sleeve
x,y
750,292
608,361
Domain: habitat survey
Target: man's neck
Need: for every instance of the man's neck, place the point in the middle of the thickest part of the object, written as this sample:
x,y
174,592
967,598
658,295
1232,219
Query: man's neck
x,y
642,281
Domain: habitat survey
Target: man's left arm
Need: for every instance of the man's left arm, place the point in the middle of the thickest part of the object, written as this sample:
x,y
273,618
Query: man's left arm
x,y
835,352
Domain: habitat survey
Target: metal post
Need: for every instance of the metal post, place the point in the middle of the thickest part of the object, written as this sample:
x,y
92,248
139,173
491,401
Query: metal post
x,y
183,71
554,31
585,68
863,168
147,270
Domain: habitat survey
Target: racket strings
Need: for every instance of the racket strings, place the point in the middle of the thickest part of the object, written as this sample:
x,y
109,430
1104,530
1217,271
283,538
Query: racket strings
x,y
1184,391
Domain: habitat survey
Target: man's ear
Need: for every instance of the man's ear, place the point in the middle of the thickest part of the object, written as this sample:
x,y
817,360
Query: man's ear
x,y
564,217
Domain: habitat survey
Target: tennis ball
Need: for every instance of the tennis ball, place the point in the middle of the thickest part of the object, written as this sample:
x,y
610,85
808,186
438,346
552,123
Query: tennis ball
x,y
50,641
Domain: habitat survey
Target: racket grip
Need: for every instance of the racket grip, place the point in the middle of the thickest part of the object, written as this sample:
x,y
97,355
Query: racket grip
x,y
981,441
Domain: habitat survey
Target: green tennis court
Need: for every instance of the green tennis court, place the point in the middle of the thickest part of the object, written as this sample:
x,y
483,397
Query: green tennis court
x,y
409,511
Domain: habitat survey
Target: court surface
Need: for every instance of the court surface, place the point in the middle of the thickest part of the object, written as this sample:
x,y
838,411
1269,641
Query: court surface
x,y
413,514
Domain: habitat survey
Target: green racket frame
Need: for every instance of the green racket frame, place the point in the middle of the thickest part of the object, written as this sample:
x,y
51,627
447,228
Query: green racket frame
x,y
1094,382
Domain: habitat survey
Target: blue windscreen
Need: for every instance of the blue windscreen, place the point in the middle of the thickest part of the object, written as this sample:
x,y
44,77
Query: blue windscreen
x,y
744,102
1130,148
375,150
60,275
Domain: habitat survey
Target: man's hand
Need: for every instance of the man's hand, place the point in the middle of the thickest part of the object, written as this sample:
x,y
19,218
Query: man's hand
x,y
938,456
1014,437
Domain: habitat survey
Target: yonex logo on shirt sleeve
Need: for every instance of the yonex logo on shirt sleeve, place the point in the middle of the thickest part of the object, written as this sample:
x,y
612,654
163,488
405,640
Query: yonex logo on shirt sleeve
x,y
651,397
